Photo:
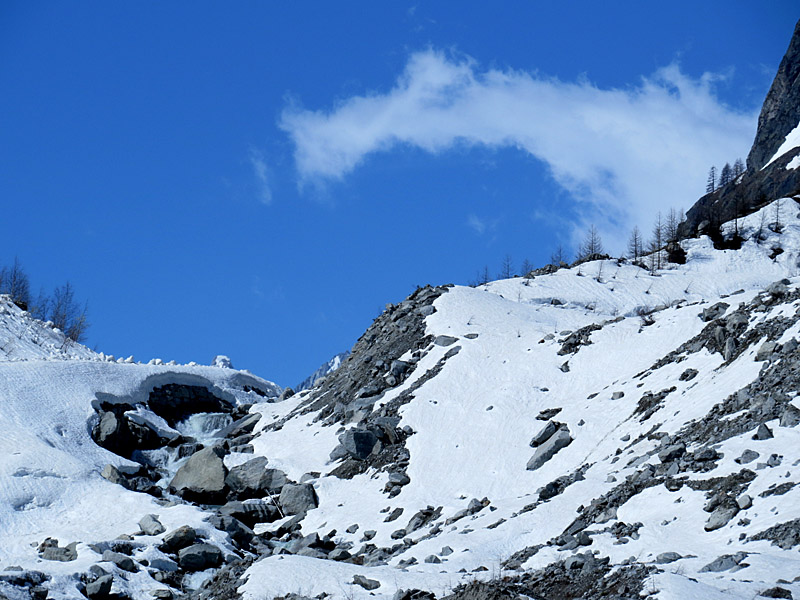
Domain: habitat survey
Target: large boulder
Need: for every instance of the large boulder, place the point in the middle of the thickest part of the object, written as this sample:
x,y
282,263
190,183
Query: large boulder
x,y
360,443
298,498
254,480
202,477
560,439
179,538
200,557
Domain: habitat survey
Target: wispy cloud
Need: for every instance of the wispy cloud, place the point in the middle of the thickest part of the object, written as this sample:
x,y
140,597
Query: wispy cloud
x,y
261,172
477,224
622,154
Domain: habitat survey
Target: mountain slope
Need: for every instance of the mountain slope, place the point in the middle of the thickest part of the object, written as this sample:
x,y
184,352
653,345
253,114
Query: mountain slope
x,y
472,422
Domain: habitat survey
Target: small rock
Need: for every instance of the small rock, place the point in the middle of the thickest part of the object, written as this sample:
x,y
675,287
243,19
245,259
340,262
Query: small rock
x,y
744,501
433,559
766,350
180,538
790,416
617,395
150,525
546,451
763,433
367,584
671,453
444,340
776,592
100,587
667,557
747,457
125,563
724,563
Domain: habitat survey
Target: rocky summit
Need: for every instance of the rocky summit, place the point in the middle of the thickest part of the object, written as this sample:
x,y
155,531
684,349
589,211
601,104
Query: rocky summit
x,y
600,430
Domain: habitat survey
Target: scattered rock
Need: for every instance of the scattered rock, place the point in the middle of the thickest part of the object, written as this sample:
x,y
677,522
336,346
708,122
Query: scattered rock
x,y
766,350
53,552
444,340
367,584
747,457
763,433
776,592
150,525
126,563
714,312
667,557
724,563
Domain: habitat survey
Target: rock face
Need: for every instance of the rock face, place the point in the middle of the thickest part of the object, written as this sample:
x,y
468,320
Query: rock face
x,y
780,114
781,110
202,477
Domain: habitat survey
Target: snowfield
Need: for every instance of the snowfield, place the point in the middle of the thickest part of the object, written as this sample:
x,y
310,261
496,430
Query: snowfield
x,y
494,359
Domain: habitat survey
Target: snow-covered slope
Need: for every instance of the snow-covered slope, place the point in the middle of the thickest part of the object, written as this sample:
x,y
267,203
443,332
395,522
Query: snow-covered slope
x,y
651,376
24,338
596,429
50,466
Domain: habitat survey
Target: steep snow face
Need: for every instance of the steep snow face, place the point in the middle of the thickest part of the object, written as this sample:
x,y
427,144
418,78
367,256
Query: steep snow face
x,y
646,374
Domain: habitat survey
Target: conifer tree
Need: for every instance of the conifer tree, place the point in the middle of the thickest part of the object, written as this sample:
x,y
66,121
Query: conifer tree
x,y
711,184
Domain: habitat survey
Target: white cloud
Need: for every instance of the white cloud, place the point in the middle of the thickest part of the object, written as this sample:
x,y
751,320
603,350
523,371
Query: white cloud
x,y
622,154
261,172
478,225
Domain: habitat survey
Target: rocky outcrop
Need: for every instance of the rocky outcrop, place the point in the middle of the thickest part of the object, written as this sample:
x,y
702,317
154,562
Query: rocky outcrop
x,y
780,113
761,183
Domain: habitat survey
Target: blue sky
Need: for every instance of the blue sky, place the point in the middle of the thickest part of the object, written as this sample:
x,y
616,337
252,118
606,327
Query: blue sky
x,y
259,179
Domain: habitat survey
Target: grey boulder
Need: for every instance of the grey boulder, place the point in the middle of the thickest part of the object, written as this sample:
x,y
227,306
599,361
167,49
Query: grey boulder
x,y
298,498
254,480
724,563
180,538
200,557
367,584
548,449
360,443
100,587
122,561
202,477
150,525
545,433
